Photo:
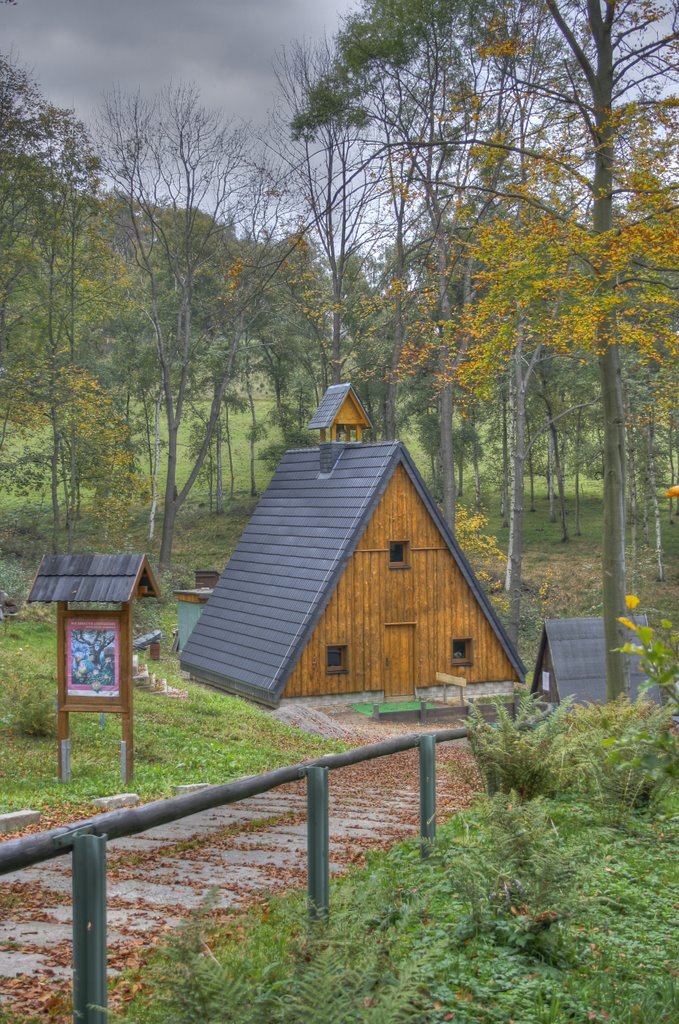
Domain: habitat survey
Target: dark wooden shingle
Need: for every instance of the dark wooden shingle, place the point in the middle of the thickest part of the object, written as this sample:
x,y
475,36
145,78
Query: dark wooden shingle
x,y
91,579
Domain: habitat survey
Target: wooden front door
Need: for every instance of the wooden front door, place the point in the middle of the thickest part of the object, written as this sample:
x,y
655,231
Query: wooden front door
x,y
399,661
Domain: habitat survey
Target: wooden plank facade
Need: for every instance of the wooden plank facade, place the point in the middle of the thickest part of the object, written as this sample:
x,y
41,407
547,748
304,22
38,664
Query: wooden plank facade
x,y
398,621
347,582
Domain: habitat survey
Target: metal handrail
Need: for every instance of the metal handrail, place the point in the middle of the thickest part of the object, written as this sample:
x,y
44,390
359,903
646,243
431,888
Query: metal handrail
x,y
24,852
86,840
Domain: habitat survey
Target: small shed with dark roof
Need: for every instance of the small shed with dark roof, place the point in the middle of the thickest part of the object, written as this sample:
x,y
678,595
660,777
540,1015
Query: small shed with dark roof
x,y
571,662
94,579
347,584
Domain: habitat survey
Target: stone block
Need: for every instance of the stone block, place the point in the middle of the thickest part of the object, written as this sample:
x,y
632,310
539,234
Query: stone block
x,y
15,820
112,803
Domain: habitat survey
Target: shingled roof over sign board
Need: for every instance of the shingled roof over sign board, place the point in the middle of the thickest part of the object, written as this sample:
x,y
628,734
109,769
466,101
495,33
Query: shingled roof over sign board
x,y
94,579
288,562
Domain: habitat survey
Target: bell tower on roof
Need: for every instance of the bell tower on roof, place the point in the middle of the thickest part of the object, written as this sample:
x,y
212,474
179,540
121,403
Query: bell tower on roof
x,y
340,416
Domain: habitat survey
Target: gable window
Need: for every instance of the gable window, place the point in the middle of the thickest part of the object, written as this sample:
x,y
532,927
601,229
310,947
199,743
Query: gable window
x,y
399,554
336,659
462,651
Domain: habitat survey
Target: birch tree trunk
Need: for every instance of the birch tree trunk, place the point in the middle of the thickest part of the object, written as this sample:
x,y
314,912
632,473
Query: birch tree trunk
x,y
229,452
633,503
550,476
578,441
504,488
522,371
218,457
156,467
652,480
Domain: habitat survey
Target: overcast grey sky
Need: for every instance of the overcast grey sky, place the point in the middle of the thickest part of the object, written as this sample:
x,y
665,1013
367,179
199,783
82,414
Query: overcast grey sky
x,y
78,49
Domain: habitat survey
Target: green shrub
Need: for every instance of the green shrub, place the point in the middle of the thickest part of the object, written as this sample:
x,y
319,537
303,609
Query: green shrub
x,y
30,708
604,754
599,750
516,878
325,974
658,650
519,754
13,579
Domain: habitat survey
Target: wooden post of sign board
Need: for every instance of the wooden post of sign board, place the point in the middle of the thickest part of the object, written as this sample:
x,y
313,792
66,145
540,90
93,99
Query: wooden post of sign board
x,y
63,739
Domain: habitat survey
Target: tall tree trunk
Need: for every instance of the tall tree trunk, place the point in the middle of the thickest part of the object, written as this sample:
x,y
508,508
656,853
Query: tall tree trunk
x,y
557,470
398,333
220,478
604,126
147,431
447,455
475,462
645,521
170,504
54,480
650,441
578,442
550,477
253,427
460,472
513,579
511,408
633,517
613,543
156,466
229,450
504,487
336,361
210,479
531,471
670,440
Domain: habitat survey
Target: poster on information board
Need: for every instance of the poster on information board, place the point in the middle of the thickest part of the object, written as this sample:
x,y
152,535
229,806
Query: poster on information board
x,y
93,658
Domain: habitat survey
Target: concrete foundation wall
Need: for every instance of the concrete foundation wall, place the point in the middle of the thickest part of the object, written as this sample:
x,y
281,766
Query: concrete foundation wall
x,y
451,694
448,694
366,697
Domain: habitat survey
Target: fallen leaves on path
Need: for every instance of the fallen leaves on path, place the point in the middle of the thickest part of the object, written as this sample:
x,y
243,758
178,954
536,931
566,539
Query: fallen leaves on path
x,y
387,786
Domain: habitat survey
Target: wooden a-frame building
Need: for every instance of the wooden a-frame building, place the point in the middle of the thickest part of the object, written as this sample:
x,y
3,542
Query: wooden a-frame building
x,y
347,584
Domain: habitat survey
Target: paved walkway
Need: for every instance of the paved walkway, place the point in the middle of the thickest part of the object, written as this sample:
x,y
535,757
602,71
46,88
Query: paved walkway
x,y
236,853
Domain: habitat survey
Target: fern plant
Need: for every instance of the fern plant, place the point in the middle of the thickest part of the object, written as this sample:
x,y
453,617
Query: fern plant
x,y
519,754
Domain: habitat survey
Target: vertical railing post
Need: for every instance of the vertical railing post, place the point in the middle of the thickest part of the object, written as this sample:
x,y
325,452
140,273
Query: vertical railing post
x,y
427,794
318,843
89,929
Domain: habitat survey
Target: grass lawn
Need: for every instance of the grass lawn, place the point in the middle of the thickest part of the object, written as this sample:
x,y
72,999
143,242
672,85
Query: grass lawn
x,y
206,737
526,914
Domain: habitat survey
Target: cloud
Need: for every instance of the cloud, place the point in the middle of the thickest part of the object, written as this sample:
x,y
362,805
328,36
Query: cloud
x,y
79,49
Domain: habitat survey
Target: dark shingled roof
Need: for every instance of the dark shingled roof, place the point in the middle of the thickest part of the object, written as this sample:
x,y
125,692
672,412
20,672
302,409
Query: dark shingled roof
x,y
287,564
331,404
578,653
94,579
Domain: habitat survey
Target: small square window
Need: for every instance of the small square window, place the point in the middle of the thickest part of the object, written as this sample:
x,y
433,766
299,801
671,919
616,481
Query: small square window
x,y
336,659
462,651
399,554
